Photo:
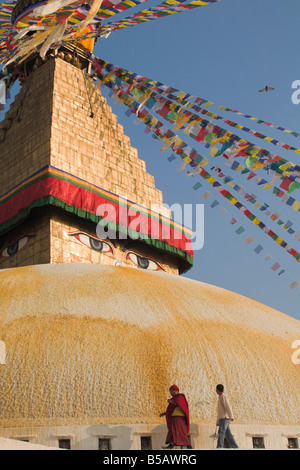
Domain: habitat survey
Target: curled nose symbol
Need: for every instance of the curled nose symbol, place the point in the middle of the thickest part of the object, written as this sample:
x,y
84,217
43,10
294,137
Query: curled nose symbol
x,y
119,262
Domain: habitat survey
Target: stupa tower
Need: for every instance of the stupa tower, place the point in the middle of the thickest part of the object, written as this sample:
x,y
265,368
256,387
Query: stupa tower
x,y
62,155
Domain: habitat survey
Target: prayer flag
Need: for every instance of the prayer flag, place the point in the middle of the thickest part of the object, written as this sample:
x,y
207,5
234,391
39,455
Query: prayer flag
x,y
285,184
240,230
213,151
294,185
206,195
275,266
214,203
222,211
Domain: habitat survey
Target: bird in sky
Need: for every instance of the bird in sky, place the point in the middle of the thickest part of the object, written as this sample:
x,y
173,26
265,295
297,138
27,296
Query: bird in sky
x,y
267,88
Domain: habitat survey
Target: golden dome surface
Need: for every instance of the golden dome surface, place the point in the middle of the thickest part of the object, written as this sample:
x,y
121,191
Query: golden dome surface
x,y
96,344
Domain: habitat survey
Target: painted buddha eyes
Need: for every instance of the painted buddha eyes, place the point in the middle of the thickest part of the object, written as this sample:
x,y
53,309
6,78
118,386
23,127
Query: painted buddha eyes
x,y
144,263
105,247
91,242
15,247
94,243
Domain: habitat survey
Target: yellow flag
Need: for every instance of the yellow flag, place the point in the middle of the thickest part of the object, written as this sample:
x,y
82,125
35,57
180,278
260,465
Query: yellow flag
x,y
285,166
257,165
213,151
216,140
240,167
180,121
233,200
211,180
296,205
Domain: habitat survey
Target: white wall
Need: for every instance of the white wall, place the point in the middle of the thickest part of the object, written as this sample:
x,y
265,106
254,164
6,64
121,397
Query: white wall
x,y
128,437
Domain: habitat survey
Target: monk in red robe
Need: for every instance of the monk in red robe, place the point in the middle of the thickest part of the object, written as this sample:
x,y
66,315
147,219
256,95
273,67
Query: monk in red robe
x,y
178,419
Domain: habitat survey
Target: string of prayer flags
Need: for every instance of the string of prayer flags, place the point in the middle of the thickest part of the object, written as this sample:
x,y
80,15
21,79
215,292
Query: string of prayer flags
x,y
181,95
251,198
110,8
169,7
204,131
259,121
159,126
260,181
178,146
258,248
147,82
76,21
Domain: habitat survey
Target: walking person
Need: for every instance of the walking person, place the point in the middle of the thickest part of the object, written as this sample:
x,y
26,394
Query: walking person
x,y
224,416
178,419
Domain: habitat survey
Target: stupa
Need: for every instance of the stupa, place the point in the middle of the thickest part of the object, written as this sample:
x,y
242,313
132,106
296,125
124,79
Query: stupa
x,y
96,328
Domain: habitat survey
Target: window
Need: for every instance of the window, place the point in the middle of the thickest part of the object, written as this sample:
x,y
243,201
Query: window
x,y
64,444
293,443
23,438
146,443
104,444
258,442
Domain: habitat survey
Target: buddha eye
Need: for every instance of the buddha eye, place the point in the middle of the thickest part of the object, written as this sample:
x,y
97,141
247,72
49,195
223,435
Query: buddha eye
x,y
143,263
93,243
16,246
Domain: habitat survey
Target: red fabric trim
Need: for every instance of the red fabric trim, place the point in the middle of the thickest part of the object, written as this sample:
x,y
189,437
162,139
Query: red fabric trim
x,y
88,201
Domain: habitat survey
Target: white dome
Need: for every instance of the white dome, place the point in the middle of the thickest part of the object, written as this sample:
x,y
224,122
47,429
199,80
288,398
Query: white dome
x,y
96,344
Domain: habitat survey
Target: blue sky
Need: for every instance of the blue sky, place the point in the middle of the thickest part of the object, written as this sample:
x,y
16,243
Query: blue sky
x,y
224,52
